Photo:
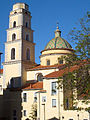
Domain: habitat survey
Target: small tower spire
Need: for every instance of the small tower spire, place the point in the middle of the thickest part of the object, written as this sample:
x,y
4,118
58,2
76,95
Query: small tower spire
x,y
57,25
57,31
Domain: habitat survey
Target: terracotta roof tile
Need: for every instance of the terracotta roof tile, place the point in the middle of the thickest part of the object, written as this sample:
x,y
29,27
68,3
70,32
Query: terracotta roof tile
x,y
59,73
1,71
46,67
37,85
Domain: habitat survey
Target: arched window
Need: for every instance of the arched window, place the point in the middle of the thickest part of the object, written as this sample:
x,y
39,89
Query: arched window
x,y
60,61
48,62
28,54
40,77
27,37
14,24
13,36
26,24
12,53
15,12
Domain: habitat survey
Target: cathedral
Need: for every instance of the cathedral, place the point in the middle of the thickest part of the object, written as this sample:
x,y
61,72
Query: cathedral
x,y
28,91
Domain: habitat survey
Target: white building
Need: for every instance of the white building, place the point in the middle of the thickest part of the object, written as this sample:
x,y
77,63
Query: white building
x,y
25,83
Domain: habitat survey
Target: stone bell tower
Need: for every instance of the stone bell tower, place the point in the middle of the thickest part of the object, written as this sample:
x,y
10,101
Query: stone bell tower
x,y
19,47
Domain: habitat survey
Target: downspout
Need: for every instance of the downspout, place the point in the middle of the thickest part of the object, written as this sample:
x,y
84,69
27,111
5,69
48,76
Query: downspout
x,y
59,104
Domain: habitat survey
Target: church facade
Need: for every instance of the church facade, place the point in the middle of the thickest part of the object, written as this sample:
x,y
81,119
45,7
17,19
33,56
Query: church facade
x,y
29,91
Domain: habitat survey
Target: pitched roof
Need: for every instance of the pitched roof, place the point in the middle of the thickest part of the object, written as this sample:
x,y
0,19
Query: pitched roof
x,y
46,67
37,85
1,71
60,73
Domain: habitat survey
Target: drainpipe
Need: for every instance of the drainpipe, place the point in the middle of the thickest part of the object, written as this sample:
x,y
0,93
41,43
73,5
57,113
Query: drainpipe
x,y
59,103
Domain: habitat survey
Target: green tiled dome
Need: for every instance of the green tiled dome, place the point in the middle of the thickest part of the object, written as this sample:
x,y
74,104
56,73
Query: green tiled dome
x,y
58,42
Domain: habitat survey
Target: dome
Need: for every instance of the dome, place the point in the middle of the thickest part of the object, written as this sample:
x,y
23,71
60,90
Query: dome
x,y
58,42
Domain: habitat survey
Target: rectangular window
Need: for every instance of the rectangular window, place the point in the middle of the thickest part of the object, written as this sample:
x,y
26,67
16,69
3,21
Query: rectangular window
x,y
24,112
35,97
53,102
0,88
48,62
53,89
24,97
43,98
60,61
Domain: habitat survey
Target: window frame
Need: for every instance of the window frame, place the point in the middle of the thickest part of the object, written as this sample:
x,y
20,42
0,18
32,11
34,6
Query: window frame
x,y
54,100
48,62
43,98
53,88
26,24
24,113
13,36
27,37
28,54
14,24
60,61
35,97
13,54
39,75
24,97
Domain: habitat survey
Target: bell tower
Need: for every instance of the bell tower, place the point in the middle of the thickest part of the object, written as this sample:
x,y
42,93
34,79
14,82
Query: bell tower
x,y
19,47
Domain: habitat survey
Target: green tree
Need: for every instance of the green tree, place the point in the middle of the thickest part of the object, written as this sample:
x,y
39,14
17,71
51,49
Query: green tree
x,y
77,67
33,114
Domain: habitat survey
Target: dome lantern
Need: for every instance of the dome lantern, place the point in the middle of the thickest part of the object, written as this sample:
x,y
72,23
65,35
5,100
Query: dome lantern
x,y
57,32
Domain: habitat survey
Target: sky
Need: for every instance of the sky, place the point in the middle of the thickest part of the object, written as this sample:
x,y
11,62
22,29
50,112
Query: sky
x,y
45,15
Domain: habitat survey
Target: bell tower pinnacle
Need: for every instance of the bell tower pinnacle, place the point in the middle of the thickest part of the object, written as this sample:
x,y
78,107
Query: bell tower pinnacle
x,y
19,47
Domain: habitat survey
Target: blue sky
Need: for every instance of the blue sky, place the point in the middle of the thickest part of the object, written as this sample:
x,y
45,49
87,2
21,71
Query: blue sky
x,y
45,15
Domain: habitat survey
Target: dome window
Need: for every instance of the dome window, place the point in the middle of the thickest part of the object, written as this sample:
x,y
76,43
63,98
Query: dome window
x,y
48,62
40,77
13,37
28,54
14,24
60,61
12,53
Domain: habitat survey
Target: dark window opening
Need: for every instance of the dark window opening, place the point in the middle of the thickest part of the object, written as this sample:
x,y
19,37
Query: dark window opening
x,y
27,37
15,12
25,97
14,24
24,112
26,24
60,61
53,102
26,12
48,62
40,77
53,92
12,53
28,54
13,37
67,103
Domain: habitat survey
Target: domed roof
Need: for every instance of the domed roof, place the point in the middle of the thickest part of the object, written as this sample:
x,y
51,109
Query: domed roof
x,y
58,42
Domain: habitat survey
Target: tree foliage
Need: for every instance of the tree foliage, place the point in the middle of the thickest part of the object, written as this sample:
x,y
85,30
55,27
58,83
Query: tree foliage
x,y
33,114
77,70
